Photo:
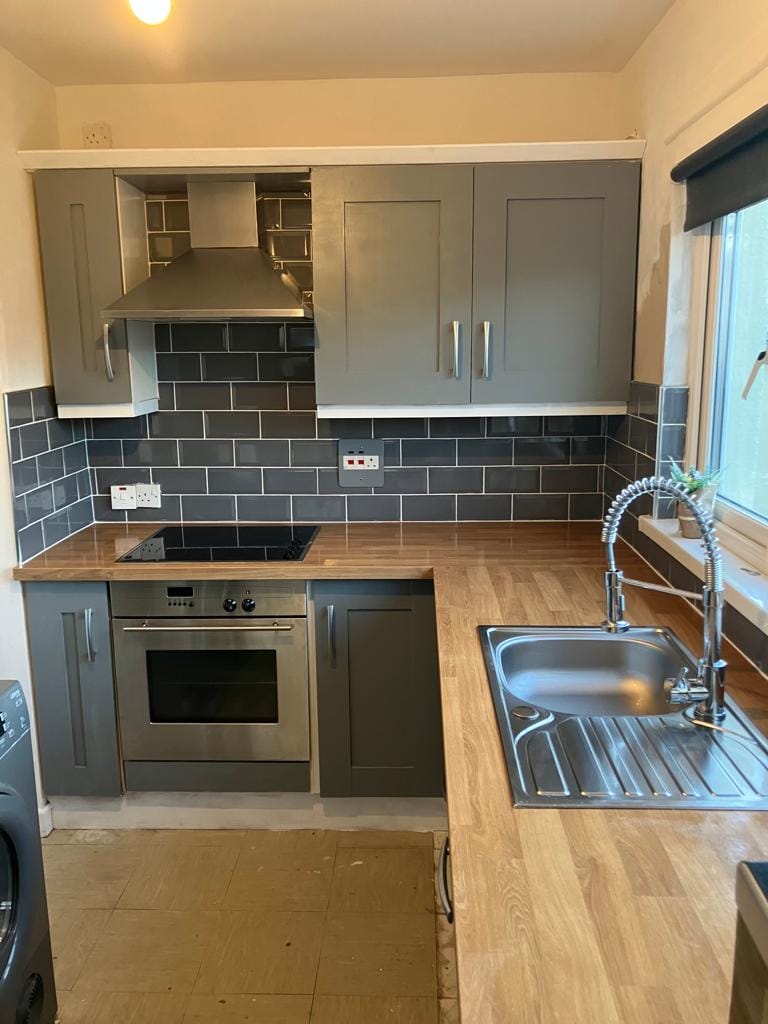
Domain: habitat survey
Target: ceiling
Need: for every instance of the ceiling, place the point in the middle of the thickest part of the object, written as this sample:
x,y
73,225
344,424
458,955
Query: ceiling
x,y
85,42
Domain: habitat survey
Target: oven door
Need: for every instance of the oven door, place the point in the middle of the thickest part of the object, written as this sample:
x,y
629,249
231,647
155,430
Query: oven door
x,y
207,690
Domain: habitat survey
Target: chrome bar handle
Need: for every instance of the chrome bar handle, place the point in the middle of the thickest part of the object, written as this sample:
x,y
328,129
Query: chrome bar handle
x,y
274,628
486,371
108,368
456,328
442,880
90,650
332,633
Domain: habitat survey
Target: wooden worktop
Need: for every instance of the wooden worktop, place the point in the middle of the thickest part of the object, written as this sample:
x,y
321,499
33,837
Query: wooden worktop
x,y
363,551
578,916
586,916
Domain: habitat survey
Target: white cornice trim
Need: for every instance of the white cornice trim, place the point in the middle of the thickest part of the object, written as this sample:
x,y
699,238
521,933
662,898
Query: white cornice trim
x,y
301,156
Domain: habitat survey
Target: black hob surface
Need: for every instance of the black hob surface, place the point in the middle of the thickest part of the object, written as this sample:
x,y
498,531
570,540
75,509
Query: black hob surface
x,y
224,543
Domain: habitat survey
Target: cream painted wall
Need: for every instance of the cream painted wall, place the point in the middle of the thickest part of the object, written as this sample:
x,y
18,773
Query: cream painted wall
x,y
27,118
703,68
487,108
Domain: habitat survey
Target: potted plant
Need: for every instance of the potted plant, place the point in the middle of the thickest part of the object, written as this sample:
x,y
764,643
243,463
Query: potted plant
x,y
702,485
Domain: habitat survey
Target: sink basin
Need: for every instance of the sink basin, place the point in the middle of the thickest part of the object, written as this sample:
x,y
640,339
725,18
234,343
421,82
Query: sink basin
x,y
584,721
589,672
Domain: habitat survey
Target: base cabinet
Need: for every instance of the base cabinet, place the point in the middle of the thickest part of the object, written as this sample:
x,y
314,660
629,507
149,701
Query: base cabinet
x,y
380,730
71,655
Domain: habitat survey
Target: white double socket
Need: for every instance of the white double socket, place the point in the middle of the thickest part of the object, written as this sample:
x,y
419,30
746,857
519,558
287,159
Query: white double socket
x,y
128,496
148,496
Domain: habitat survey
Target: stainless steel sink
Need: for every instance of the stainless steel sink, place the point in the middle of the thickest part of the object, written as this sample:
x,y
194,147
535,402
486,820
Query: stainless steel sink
x,y
584,721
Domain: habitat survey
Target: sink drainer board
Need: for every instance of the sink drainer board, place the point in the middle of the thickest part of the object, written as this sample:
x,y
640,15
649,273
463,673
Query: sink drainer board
x,y
584,722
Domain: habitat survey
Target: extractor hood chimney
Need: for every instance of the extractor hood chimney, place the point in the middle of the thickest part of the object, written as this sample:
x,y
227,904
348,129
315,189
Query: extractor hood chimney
x,y
224,276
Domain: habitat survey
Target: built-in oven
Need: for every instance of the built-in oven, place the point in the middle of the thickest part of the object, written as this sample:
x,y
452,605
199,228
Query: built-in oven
x,y
212,670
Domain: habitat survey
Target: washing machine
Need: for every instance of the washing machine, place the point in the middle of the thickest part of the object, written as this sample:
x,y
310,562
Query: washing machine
x,y
27,992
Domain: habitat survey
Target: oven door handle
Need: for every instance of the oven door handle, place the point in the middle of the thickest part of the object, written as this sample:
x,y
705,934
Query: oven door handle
x,y
274,628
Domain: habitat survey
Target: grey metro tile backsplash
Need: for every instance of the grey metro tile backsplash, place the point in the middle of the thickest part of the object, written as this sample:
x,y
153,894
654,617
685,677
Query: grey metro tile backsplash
x,y
50,475
270,463
644,442
238,437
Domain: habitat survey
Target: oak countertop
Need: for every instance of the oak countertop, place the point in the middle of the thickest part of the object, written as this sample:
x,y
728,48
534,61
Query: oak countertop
x,y
578,916
365,551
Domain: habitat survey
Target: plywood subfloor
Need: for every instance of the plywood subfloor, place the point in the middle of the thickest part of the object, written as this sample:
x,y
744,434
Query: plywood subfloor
x,y
236,926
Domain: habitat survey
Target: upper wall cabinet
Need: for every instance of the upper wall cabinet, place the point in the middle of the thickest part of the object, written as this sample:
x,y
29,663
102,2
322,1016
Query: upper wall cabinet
x,y
553,294
393,284
99,368
495,285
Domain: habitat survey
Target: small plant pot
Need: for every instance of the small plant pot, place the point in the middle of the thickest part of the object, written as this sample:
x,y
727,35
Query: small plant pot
x,y
688,525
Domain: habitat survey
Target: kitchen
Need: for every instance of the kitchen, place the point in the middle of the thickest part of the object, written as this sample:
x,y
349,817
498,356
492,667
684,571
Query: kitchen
x,y
280,390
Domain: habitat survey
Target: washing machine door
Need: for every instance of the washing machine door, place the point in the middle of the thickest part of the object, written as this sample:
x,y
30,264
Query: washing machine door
x,y
23,911
9,892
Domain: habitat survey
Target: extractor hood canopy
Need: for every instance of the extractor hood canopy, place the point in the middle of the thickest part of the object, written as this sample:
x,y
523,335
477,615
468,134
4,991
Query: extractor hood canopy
x,y
225,275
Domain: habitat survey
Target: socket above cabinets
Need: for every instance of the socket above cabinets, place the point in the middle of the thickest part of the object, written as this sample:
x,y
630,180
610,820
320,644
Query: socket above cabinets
x,y
361,462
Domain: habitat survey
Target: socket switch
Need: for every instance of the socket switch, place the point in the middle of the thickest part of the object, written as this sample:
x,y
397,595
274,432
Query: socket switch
x,y
361,463
123,496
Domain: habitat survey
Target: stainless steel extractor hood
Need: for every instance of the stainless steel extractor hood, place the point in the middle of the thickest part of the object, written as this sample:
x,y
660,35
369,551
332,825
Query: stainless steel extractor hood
x,y
224,275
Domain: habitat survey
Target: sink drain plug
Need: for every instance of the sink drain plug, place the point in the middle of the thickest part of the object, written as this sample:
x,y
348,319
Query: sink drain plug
x,y
525,711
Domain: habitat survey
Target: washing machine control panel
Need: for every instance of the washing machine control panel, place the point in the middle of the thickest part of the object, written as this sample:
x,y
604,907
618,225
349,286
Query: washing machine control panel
x,y
14,722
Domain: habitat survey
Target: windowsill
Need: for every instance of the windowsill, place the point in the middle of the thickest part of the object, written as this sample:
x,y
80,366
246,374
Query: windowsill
x,y
748,594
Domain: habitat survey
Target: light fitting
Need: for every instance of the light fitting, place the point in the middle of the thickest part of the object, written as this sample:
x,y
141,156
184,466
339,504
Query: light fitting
x,y
151,12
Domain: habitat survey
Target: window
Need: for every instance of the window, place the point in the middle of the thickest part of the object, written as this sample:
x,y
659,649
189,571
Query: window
x,y
734,438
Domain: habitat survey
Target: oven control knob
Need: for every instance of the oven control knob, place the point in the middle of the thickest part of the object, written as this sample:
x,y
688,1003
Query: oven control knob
x,y
248,604
230,605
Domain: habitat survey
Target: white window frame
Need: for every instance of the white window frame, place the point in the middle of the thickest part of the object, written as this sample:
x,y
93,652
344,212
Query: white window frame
x,y
743,534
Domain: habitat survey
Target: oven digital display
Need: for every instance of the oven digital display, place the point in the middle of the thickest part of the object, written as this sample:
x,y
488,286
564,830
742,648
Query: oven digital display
x,y
180,591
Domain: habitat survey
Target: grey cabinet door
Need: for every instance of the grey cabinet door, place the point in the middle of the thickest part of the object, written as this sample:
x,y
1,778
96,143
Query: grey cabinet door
x,y
392,263
380,730
80,252
554,278
71,655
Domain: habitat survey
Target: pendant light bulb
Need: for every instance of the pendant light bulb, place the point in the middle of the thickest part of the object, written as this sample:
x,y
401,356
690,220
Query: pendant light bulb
x,y
151,12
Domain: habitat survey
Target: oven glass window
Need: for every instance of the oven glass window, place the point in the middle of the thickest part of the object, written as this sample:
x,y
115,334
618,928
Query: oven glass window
x,y
212,686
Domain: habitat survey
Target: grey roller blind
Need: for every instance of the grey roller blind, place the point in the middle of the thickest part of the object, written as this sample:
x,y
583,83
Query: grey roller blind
x,y
727,174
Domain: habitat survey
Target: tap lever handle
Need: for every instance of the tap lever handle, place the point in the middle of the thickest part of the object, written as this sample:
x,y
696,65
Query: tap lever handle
x,y
680,689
